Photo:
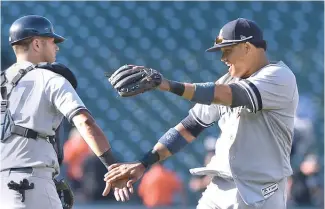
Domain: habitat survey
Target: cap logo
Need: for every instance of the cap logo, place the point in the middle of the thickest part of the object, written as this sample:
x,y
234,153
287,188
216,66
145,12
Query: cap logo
x,y
218,40
242,37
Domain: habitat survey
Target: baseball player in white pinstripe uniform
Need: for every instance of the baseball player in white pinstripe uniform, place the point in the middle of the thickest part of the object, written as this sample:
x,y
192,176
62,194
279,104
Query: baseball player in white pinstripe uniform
x,y
36,93
254,104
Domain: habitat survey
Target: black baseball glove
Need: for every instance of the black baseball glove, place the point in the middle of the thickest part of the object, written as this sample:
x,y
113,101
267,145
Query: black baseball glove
x,y
131,80
65,193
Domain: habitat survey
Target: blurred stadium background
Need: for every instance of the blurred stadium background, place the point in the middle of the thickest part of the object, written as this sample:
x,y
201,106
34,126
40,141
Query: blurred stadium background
x,y
172,37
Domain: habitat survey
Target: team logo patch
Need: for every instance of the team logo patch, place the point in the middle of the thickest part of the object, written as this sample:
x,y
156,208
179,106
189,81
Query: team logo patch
x,y
242,37
270,190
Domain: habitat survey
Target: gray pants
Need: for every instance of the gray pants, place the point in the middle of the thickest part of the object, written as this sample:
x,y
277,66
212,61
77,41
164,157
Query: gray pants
x,y
223,194
42,196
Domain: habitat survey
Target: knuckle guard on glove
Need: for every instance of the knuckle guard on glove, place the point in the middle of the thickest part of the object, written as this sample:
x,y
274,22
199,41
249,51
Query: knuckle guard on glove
x,y
122,75
130,81
121,69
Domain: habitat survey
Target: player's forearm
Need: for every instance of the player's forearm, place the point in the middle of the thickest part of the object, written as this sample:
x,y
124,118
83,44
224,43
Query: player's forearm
x,y
94,137
164,152
170,143
204,93
186,91
91,133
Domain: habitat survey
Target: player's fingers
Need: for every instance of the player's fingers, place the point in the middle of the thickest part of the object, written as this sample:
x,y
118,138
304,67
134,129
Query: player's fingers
x,y
114,178
111,168
107,189
116,194
121,194
110,175
130,186
126,193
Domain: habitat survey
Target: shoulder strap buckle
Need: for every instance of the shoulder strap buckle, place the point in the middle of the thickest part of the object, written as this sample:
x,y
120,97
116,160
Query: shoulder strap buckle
x,y
16,79
4,103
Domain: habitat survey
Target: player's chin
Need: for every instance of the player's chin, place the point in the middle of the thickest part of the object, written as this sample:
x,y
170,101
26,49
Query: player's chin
x,y
234,72
52,60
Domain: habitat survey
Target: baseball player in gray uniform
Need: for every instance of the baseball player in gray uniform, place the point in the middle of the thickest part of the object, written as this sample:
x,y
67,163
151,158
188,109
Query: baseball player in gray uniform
x,y
254,104
36,94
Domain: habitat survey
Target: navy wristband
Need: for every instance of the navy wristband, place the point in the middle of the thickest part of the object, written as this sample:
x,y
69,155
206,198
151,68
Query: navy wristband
x,y
204,93
173,140
150,158
107,158
176,87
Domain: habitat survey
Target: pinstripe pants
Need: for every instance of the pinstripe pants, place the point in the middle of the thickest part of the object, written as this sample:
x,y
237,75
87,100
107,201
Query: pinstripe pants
x,y
223,194
43,195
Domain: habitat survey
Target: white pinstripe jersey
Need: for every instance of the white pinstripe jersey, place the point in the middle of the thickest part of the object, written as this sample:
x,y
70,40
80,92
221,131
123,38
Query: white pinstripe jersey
x,y
39,102
255,144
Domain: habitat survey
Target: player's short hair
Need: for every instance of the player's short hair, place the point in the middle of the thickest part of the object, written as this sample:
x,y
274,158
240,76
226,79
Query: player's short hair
x,y
23,45
259,44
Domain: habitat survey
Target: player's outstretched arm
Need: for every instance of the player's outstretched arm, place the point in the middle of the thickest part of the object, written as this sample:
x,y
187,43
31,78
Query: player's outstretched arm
x,y
131,80
94,136
170,143
99,144
203,93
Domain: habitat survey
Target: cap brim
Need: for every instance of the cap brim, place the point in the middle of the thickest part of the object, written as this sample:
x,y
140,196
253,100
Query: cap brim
x,y
217,47
57,38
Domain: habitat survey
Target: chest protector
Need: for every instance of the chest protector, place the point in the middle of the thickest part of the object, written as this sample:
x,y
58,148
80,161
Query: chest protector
x,y
8,127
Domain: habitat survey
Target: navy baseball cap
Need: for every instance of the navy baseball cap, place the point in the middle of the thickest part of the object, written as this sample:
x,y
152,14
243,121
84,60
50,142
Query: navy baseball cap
x,y
235,32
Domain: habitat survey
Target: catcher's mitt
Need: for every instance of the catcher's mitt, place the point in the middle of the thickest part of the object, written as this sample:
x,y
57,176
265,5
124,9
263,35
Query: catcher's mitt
x,y
65,193
131,80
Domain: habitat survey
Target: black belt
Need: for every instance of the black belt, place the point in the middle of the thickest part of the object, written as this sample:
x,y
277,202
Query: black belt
x,y
29,133
22,170
41,171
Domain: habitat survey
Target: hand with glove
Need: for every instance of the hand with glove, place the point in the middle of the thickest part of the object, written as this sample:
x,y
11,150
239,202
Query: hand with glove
x,y
130,80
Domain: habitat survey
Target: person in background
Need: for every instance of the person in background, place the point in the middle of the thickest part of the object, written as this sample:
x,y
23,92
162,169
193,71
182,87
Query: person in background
x,y
303,186
75,152
91,186
159,186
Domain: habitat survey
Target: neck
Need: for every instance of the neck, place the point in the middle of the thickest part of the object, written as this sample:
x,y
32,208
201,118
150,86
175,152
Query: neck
x,y
28,58
259,62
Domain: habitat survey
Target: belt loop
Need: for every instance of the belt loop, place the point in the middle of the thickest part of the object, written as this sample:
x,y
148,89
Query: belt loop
x,y
26,131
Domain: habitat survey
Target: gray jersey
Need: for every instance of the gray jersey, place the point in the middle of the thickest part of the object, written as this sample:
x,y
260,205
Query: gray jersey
x,y
39,102
254,145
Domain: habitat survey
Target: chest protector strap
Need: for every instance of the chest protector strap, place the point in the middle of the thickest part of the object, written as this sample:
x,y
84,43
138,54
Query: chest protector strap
x,y
8,126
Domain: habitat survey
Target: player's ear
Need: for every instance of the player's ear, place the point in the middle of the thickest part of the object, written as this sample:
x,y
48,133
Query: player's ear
x,y
247,47
36,44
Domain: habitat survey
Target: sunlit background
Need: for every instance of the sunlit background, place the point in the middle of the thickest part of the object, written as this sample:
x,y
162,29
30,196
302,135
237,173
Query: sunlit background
x,y
172,37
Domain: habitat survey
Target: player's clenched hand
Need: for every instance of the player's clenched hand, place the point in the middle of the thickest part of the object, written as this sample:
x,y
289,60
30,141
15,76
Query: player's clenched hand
x,y
130,80
130,171
120,188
